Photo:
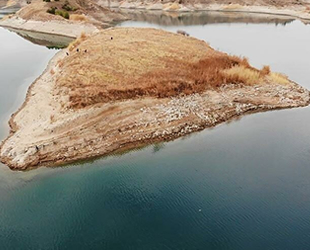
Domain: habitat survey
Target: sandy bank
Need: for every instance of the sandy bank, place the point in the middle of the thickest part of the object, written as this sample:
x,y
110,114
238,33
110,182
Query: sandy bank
x,y
139,94
52,27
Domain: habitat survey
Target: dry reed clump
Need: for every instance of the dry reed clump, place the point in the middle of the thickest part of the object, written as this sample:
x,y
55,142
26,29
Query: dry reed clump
x,y
78,18
177,78
243,75
278,78
265,70
77,41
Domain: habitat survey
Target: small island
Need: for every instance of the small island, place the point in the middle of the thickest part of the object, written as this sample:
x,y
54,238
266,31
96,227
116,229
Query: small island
x,y
122,88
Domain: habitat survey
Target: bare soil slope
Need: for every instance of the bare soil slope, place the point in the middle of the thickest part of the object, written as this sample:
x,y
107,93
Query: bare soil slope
x,y
92,12
127,87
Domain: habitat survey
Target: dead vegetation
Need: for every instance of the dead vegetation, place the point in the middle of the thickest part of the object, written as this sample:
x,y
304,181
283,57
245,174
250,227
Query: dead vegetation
x,y
74,44
125,64
78,17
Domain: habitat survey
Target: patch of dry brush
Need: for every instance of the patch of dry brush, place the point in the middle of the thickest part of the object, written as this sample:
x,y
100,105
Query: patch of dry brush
x,y
131,63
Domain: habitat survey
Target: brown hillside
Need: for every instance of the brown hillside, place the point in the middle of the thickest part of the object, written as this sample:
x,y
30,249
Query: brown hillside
x,y
130,63
82,10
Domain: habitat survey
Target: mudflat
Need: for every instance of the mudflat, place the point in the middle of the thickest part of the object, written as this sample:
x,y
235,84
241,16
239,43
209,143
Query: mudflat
x,y
126,87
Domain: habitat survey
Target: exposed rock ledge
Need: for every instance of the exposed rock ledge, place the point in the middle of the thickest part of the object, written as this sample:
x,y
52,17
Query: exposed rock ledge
x,y
132,87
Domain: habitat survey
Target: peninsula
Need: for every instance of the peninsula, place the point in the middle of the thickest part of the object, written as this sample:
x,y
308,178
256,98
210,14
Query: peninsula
x,y
126,87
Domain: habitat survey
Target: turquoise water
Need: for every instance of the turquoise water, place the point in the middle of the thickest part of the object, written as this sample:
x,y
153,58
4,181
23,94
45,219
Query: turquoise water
x,y
242,185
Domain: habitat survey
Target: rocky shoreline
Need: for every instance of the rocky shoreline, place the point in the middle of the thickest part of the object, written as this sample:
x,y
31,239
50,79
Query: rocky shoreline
x,y
152,121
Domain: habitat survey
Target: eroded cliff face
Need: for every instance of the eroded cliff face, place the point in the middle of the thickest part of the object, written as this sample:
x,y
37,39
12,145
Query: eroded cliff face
x,y
127,87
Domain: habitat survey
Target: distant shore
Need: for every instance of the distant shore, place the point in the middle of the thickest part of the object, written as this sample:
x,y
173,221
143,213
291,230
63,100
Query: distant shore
x,y
74,29
301,12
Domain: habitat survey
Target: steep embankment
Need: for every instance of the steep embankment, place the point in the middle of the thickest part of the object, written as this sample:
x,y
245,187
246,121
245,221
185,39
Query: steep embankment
x,y
126,87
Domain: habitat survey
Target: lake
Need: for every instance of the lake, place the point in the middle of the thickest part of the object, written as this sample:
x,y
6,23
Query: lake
x,y
241,185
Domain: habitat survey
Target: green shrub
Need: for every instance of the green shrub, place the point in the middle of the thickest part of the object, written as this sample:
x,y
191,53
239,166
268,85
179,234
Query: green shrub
x,y
68,7
51,10
62,13
54,11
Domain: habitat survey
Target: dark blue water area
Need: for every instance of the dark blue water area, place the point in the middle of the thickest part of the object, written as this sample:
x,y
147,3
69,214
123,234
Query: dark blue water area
x,y
240,185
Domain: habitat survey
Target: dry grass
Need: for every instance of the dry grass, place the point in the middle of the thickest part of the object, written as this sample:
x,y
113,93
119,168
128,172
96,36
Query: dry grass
x,y
233,6
78,18
77,8
173,6
147,62
242,74
278,78
265,70
73,45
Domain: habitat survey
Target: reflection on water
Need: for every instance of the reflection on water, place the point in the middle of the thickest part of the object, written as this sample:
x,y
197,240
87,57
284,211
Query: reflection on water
x,y
50,41
203,18
242,185
21,62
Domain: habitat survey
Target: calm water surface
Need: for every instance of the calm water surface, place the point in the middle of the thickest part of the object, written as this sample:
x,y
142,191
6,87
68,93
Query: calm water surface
x,y
242,185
